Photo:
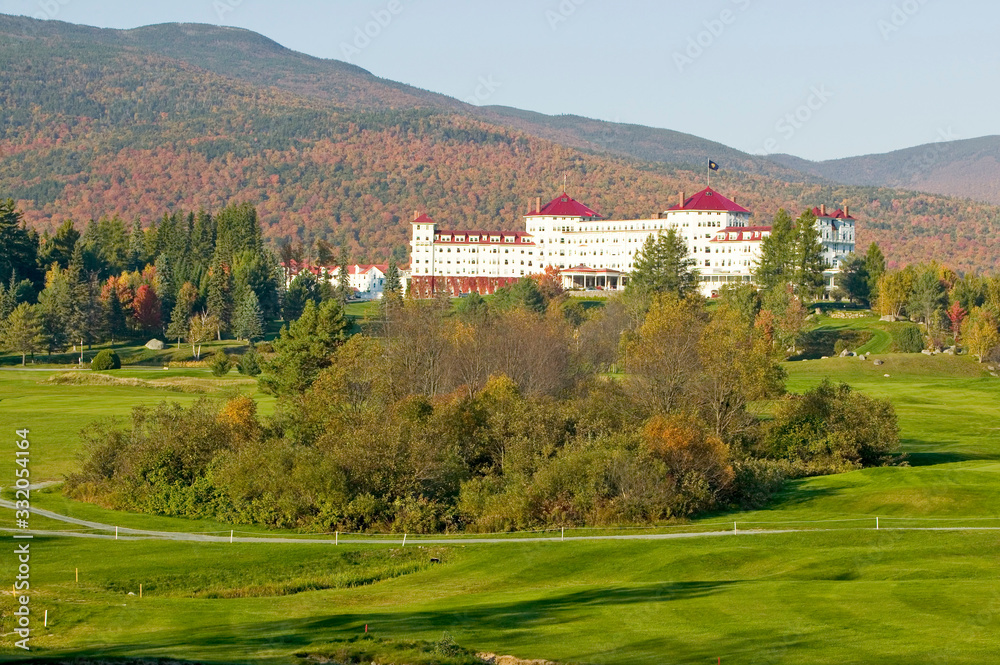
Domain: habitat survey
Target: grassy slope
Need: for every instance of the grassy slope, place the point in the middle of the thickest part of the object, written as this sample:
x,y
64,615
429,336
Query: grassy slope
x,y
822,597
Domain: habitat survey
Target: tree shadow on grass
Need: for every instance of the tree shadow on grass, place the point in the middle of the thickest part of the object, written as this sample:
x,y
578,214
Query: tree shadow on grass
x,y
935,458
515,620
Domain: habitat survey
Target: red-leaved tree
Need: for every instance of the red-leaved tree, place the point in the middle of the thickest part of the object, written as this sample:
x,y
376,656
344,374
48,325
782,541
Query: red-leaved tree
x,y
146,309
957,314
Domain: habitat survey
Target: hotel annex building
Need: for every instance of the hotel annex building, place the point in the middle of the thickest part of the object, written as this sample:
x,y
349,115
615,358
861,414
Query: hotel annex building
x,y
592,252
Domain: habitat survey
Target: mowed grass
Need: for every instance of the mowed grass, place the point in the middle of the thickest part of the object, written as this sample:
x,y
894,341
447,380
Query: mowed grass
x,y
830,597
54,413
843,593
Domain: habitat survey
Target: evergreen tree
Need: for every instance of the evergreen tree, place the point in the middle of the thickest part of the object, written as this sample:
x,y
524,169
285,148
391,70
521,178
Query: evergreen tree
x,y
344,290
220,295
775,268
163,283
18,245
809,263
875,267
136,246
60,247
237,229
8,301
22,331
115,323
181,314
249,363
854,279
304,348
664,266
302,289
248,322
393,284
55,306
927,296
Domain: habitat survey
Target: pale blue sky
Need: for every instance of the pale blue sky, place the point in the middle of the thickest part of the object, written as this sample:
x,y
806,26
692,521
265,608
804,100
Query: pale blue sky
x,y
878,74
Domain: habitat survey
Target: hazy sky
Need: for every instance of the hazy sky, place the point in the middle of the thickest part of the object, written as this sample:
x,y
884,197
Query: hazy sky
x,y
816,79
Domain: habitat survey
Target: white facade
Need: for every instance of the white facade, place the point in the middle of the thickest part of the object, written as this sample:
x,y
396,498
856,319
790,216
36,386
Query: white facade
x,y
570,236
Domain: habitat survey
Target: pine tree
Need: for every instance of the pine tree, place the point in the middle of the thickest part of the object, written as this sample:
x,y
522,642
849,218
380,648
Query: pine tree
x,y
393,284
22,331
664,266
114,317
809,263
18,245
8,298
60,247
774,269
55,305
163,283
304,348
344,290
248,322
136,246
220,295
875,267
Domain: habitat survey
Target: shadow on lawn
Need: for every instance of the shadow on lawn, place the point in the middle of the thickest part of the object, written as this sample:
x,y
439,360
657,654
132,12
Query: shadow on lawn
x,y
224,643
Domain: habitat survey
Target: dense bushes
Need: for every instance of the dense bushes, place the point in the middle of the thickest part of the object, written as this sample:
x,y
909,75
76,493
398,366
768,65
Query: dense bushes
x,y
907,338
105,360
424,430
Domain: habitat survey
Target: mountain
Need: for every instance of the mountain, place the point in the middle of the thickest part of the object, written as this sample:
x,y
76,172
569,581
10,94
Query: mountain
x,y
141,122
967,168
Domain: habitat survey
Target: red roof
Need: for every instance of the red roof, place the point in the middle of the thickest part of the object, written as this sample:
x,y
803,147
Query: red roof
x,y
839,214
563,206
423,219
710,200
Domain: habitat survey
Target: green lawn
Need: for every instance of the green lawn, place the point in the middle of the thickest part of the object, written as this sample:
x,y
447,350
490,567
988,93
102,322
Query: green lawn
x,y
843,593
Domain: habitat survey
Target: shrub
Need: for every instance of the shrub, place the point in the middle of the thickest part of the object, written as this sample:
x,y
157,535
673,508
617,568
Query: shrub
x,y
105,360
907,338
220,364
249,362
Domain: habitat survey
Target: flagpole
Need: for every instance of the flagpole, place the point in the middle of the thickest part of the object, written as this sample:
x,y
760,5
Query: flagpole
x,y
708,172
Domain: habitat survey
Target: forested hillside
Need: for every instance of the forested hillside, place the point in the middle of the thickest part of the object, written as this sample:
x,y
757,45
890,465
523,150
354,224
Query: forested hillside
x,y
97,123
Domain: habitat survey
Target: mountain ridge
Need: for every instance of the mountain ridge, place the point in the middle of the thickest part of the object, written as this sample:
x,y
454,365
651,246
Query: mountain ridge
x,y
97,125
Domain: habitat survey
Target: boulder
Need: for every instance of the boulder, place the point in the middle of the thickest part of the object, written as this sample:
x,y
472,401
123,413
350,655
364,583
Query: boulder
x,y
950,351
992,368
879,363
927,352
886,375
888,318
155,345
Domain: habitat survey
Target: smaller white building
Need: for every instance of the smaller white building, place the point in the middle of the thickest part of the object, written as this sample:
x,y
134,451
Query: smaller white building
x,y
367,281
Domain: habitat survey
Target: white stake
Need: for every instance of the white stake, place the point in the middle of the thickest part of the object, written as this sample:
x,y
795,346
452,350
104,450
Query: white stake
x,y
116,533
46,618
563,536
78,575
230,535
140,591
734,528
336,537
404,540
876,524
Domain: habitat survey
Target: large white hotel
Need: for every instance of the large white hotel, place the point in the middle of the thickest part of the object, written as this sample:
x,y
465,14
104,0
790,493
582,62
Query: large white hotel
x,y
592,252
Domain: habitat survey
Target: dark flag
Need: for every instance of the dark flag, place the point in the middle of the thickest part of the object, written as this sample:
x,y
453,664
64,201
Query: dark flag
x,y
712,165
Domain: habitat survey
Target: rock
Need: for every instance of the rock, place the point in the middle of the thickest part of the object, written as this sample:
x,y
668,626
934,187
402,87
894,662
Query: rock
x,y
950,351
992,368
819,311
825,358
888,318
993,374
886,375
927,352
868,354
879,363
845,353
155,345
